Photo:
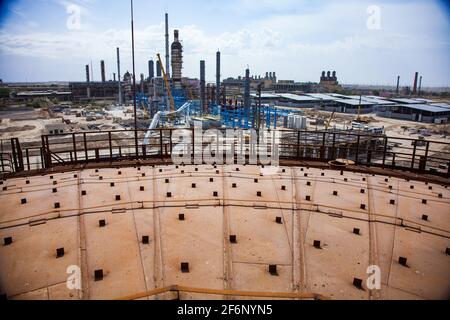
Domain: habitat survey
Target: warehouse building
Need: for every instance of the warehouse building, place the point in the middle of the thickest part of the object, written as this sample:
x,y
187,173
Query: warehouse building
x,y
416,112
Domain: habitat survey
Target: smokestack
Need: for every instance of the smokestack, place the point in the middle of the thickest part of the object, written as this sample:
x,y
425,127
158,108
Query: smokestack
x,y
102,68
114,76
142,83
118,76
420,84
87,74
167,47
247,92
151,70
415,83
218,77
88,89
202,85
398,85
158,70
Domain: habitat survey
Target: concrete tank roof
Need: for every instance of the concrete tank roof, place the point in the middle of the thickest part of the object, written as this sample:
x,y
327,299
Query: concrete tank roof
x,y
321,228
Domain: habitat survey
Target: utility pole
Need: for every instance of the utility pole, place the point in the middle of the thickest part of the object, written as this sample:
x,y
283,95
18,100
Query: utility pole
x,y
134,83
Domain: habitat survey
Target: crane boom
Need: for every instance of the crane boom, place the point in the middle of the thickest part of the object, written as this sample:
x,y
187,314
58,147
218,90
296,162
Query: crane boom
x,y
166,81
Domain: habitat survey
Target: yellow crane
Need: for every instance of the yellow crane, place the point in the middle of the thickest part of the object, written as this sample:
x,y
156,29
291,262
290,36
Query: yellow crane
x,y
166,81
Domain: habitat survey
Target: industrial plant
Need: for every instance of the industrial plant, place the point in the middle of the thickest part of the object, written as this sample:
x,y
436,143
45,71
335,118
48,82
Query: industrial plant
x,y
107,192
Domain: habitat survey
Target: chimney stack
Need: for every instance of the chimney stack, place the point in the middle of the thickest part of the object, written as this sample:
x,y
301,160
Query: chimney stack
x,y
202,85
151,70
118,77
416,76
420,84
247,92
398,85
102,68
218,77
167,48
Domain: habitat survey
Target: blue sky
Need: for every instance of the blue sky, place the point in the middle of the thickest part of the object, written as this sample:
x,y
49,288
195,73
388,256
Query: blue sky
x,y
365,42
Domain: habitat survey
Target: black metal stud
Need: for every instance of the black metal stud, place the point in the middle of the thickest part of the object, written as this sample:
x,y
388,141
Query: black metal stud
x,y
60,252
258,193
278,220
27,182
363,206
316,244
308,198
237,169
424,217
255,180
411,187
402,261
335,193
233,238
363,191
145,240
101,223
167,180
345,179
234,185
181,216
141,188
55,182
83,192
117,197
193,185
447,251
57,205
357,283
211,179
98,275
308,183
424,201
305,174
54,190
356,231
8,240
23,201
273,269
283,188
100,178
185,267
322,174
215,194
392,201
440,195
169,194
112,184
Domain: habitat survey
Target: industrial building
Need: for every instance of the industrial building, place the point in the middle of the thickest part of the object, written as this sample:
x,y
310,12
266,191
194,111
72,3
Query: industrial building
x,y
416,112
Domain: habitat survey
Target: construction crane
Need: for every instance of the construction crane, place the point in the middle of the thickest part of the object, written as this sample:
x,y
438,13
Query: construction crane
x,y
166,81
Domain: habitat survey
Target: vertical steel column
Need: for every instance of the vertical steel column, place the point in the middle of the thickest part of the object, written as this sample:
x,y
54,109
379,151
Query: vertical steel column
x,y
414,154
357,149
74,143
385,150
85,147
110,146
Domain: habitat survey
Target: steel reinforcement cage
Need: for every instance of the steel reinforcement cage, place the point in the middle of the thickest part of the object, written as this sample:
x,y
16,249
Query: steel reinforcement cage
x,y
414,155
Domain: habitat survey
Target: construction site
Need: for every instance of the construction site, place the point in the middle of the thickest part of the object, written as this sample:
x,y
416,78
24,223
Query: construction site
x,y
96,206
